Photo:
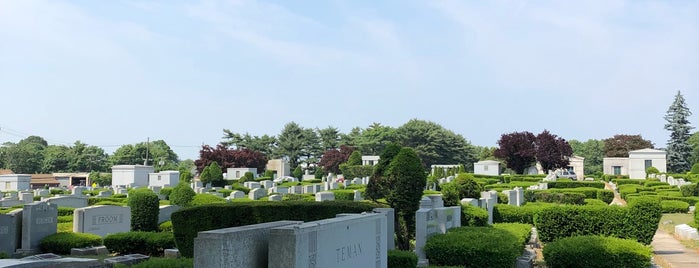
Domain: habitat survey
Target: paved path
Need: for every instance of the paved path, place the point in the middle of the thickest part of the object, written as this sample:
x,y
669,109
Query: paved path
x,y
617,197
670,253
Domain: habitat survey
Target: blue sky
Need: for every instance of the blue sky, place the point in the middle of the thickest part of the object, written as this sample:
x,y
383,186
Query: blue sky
x,y
115,72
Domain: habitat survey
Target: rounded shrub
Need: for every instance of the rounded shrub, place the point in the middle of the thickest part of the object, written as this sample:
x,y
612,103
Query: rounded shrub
x,y
401,259
595,202
166,191
596,251
674,206
65,211
61,243
147,243
473,216
165,226
182,195
205,199
145,208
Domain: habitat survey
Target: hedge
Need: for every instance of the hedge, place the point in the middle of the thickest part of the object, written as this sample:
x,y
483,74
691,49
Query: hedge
x,y
94,200
638,221
473,216
496,246
401,259
145,208
673,206
65,211
61,243
161,262
560,198
206,199
607,196
595,202
188,222
619,182
147,243
596,251
575,184
514,214
346,195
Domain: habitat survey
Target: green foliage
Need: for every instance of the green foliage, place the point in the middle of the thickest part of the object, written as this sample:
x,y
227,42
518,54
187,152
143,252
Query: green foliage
x,y
57,191
401,259
596,251
463,186
97,200
61,243
162,262
65,211
652,170
673,206
595,202
182,194
206,199
189,221
355,158
497,246
514,214
434,144
637,221
166,191
593,152
144,205
344,195
297,173
147,243
165,226
560,198
212,174
575,184
248,176
473,216
695,168
607,196
679,151
375,188
405,180
356,171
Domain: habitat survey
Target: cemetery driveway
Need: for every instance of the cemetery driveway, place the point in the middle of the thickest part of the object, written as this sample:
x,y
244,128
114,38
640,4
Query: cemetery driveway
x,y
617,197
670,253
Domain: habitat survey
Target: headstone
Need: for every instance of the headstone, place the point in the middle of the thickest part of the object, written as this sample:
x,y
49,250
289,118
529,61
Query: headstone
x,y
296,189
357,196
344,242
104,194
520,196
10,231
102,220
686,232
43,193
543,186
267,184
122,191
425,226
511,197
256,193
470,201
38,221
390,226
228,187
663,178
68,201
155,189
325,196
282,190
244,246
437,201
357,181
237,194
309,189
275,197
200,190
490,201
252,184
78,191
171,253
166,211
26,197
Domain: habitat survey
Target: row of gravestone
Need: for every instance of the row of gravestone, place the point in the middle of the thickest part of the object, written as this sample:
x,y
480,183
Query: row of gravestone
x,y
489,199
22,229
349,240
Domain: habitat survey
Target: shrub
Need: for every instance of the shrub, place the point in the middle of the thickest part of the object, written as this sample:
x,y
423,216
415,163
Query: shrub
x,y
575,184
60,219
695,169
165,226
205,199
655,183
147,243
166,191
690,189
672,206
594,202
401,259
57,191
473,216
596,251
298,197
61,243
162,262
65,211
182,195
497,246
345,195
560,198
64,227
607,196
119,196
109,203
145,208
94,200
513,214
652,170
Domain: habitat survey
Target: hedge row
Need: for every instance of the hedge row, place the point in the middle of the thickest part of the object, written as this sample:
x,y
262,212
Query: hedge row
x,y
401,259
65,211
638,221
61,243
596,251
605,195
94,200
513,214
147,243
496,246
161,262
560,198
473,216
189,221
575,184
673,206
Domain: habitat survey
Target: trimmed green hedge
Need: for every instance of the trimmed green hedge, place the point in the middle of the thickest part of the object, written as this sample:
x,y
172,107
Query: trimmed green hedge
x,y
514,214
638,221
94,200
607,196
595,202
575,184
401,259
161,262
189,221
61,243
596,251
344,195
560,198
473,216
672,206
496,246
206,199
145,207
65,211
147,243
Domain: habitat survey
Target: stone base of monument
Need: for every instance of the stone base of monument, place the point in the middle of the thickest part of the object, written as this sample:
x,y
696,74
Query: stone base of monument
x,y
100,250
127,259
172,253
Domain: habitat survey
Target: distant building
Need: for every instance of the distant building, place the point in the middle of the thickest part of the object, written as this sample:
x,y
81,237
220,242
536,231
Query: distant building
x,y
42,180
281,166
131,175
72,179
237,173
577,165
166,178
487,167
15,182
636,164
370,160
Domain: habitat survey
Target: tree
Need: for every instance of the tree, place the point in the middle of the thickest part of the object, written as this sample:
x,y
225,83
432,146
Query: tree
x,y
355,159
297,173
182,194
83,157
405,181
373,139
679,151
297,143
593,152
552,152
518,149
26,156
101,179
56,159
332,158
435,144
375,188
212,174
486,153
265,144
694,142
329,138
229,158
144,205
160,155
620,145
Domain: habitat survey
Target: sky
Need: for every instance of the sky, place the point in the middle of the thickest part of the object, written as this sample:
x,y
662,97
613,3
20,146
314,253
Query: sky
x,y
110,73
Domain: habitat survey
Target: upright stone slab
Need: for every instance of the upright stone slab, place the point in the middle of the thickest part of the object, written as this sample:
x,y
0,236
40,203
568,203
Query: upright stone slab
x,y
437,201
426,225
275,197
26,197
267,184
68,201
78,190
237,194
43,193
239,247
357,196
520,196
296,189
471,201
122,191
256,193
511,197
11,231
38,221
166,212
390,226
102,220
105,194
448,217
325,196
344,242
309,189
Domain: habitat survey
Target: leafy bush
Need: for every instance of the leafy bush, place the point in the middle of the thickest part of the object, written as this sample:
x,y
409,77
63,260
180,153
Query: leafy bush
x,y
189,221
65,211
401,259
119,196
575,184
560,198
161,262
166,191
346,195
672,206
514,214
594,202
61,243
652,170
497,246
205,199
620,182
147,243
145,208
182,195
607,196
690,189
298,197
165,226
596,251
695,168
57,191
60,219
109,203
473,216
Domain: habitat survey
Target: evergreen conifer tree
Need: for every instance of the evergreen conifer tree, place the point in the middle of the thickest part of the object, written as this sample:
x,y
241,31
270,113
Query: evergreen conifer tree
x,y
678,149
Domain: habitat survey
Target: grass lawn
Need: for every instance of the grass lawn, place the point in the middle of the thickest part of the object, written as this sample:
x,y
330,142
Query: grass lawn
x,y
668,222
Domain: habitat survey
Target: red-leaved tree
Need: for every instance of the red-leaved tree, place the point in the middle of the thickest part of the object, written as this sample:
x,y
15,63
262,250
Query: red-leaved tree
x,y
518,149
230,158
331,160
552,152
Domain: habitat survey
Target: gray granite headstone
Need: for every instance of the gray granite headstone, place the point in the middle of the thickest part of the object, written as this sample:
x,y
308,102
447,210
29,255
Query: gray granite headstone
x,y
38,221
325,196
102,220
10,231
256,193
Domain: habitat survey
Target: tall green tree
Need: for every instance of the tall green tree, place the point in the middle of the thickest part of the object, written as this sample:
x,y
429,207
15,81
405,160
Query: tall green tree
x,y
329,138
405,181
435,144
84,158
160,155
298,144
265,144
212,174
373,140
376,187
56,159
679,151
694,142
593,152
26,156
